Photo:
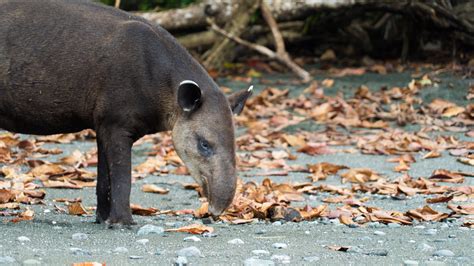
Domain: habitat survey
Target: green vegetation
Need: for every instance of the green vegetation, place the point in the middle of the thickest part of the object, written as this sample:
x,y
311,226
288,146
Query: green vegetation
x,y
143,5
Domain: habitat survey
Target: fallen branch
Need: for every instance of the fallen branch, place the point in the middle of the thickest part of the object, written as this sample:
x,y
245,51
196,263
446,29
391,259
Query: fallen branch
x,y
281,55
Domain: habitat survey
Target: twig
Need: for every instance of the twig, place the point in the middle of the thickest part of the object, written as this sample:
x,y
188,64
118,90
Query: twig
x,y
281,55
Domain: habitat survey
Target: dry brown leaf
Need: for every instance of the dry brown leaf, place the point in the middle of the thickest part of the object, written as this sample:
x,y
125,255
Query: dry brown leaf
x,y
462,209
432,154
339,248
76,208
315,149
322,170
27,215
294,141
139,210
345,219
360,175
196,229
154,189
6,195
47,170
440,199
88,264
61,184
426,213
442,175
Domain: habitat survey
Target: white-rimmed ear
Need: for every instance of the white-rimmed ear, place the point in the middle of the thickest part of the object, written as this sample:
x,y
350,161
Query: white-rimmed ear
x,y
189,95
237,100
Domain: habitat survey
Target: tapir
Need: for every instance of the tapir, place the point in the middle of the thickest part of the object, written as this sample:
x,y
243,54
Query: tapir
x,y
69,65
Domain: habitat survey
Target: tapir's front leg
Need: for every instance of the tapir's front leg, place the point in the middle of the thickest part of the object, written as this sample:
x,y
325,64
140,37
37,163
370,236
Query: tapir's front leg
x,y
103,184
117,146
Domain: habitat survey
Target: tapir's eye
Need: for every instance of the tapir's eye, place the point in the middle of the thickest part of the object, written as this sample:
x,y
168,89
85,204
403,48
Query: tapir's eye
x,y
204,147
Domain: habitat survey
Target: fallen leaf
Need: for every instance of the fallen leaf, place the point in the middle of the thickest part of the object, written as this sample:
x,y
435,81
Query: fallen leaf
x,y
76,208
154,189
426,213
359,175
196,229
139,210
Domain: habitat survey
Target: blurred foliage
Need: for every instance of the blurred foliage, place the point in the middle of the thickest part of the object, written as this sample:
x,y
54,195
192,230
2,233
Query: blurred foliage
x,y
143,5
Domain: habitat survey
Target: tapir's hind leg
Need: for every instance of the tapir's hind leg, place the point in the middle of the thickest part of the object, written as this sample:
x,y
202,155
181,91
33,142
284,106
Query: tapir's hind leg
x,y
103,185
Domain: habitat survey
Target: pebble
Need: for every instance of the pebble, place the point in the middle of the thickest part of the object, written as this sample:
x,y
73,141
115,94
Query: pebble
x,y
209,235
365,238
434,263
150,229
444,226
181,261
393,225
374,225
283,259
79,236
260,232
31,262
80,252
376,252
236,241
335,221
259,252
311,258
276,223
135,257
425,247
23,239
6,259
379,233
189,252
158,252
452,236
307,232
440,240
431,232
411,241
279,245
258,262
410,262
143,241
443,253
419,227
192,239
359,219
121,250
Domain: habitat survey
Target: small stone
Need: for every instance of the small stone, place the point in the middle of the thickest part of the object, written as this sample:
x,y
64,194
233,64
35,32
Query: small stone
x,y
307,232
311,258
192,239
393,225
181,261
189,252
23,239
335,221
452,236
440,240
277,223
80,252
419,226
283,259
411,241
6,259
79,236
236,241
379,233
434,263
373,225
209,235
443,253
260,232
359,219
150,229
444,226
258,262
31,262
260,252
365,238
376,252
410,262
431,232
279,245
121,250
425,247
158,252
143,241
135,257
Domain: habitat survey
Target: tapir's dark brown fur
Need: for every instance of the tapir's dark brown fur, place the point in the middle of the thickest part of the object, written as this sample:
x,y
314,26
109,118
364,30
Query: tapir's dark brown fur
x,y
72,65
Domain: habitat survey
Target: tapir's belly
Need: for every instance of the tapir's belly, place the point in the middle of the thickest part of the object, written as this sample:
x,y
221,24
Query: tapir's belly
x,y
41,110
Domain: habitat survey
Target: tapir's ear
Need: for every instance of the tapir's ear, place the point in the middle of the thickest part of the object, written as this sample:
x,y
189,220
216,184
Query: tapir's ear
x,y
237,100
189,95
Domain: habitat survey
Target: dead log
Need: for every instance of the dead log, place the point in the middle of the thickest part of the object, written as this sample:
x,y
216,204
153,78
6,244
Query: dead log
x,y
194,16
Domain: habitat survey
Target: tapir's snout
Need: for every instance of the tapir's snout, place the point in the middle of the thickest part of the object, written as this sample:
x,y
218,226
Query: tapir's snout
x,y
221,197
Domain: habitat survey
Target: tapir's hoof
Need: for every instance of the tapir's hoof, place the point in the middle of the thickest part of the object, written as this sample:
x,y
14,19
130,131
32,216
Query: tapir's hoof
x,y
99,219
120,222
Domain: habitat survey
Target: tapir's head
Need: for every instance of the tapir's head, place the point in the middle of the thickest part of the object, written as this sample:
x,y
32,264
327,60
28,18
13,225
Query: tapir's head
x,y
203,136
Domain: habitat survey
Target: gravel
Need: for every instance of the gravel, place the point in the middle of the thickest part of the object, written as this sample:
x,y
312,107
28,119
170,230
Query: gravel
x,y
281,258
31,262
120,250
279,245
150,229
258,262
79,236
189,252
236,241
379,233
410,262
192,239
6,259
443,253
311,258
181,261
260,252
23,239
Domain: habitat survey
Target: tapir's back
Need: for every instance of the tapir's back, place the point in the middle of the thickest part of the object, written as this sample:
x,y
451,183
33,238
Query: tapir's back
x,y
55,57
